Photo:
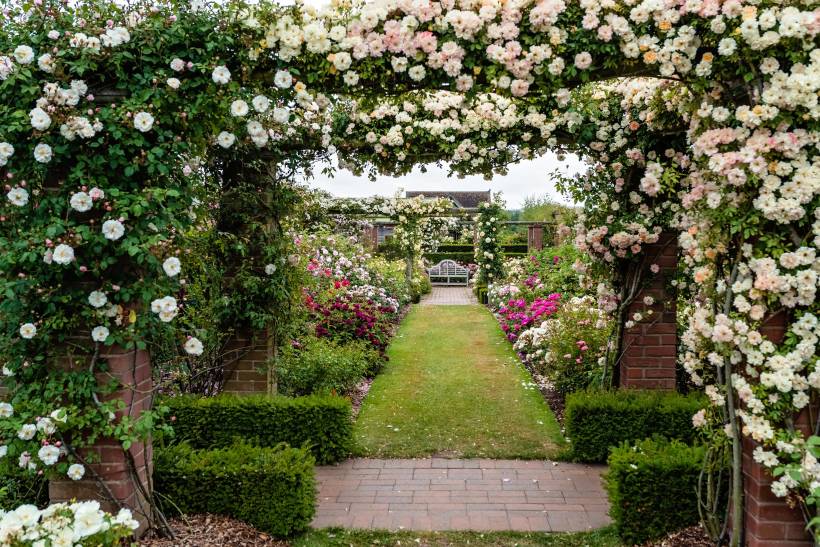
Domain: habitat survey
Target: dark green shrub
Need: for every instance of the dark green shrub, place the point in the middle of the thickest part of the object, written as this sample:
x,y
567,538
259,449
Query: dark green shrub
x,y
653,488
598,420
273,489
321,365
323,423
20,488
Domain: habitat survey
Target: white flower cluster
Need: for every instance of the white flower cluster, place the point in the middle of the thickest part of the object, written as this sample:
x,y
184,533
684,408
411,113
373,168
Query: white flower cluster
x,y
63,524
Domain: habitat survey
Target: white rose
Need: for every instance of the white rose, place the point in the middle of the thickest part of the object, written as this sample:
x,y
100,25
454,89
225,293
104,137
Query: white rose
x,y
46,62
281,115
27,432
6,410
239,108
48,454
24,54
417,73
193,346
113,229
76,472
221,75
63,254
173,83
143,121
225,139
42,153
172,266
18,196
99,334
260,103
40,120
177,65
350,78
282,79
97,299
81,202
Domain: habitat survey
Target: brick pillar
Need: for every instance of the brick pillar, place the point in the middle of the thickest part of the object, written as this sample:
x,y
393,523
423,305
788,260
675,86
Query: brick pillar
x,y
248,355
132,369
769,521
535,237
649,348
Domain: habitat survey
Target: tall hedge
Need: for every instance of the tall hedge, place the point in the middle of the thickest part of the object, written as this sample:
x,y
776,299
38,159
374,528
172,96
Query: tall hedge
x,y
652,488
273,489
321,422
599,420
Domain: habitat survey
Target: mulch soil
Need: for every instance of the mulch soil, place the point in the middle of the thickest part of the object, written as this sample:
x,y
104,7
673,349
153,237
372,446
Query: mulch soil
x,y
212,531
219,531
694,536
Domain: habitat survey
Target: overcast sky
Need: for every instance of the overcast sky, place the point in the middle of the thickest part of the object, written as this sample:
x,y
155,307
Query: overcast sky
x,y
528,178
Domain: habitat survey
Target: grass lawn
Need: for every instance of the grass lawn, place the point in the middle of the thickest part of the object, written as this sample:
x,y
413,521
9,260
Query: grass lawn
x,y
337,537
454,387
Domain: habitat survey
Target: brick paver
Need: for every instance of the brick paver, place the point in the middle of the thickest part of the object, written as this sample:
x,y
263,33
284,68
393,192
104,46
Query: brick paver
x,y
445,494
448,296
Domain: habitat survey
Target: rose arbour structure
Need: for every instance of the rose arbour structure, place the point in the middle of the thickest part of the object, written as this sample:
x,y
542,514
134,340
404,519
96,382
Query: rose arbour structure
x,y
113,118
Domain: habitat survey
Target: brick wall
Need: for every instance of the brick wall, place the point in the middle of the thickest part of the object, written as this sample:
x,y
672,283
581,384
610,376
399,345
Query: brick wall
x,y
133,370
247,372
650,346
769,521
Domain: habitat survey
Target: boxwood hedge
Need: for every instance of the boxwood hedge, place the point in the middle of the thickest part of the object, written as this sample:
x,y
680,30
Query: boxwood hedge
x,y
599,420
652,488
323,423
273,489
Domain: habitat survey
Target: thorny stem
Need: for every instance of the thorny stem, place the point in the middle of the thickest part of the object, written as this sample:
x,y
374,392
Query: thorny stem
x,y
737,449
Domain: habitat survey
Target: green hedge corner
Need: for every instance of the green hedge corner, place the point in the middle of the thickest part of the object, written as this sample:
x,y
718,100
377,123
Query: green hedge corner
x,y
596,421
273,489
323,423
652,488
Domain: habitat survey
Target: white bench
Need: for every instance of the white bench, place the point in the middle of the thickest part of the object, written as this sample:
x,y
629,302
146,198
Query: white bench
x,y
446,271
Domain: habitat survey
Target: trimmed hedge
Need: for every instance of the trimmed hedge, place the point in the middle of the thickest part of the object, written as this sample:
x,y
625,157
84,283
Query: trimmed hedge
x,y
323,423
598,420
652,488
273,489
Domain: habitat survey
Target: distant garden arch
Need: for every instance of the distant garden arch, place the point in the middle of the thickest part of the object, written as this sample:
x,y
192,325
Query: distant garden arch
x,y
118,122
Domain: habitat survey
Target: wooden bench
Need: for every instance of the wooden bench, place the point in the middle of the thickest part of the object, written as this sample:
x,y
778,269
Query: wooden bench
x,y
448,272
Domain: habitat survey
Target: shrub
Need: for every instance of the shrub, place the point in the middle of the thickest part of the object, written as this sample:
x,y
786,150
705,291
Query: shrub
x,y
570,346
318,365
653,488
598,420
323,423
343,316
272,489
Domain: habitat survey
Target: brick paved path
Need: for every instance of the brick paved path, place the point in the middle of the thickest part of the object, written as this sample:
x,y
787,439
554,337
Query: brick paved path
x,y
444,494
447,296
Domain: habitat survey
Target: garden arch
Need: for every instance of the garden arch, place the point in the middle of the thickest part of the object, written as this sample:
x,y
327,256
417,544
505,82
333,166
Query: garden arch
x,y
96,192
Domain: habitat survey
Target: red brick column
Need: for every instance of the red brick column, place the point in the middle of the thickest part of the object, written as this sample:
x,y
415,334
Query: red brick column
x,y
132,369
649,348
535,237
248,356
769,521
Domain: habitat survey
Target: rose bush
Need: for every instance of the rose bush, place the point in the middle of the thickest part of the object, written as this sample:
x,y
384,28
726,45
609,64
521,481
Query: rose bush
x,y
105,110
569,347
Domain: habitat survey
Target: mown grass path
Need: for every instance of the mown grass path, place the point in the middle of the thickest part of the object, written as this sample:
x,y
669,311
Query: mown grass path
x,y
454,387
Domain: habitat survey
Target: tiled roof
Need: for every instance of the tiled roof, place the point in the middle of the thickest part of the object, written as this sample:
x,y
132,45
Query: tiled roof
x,y
463,200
